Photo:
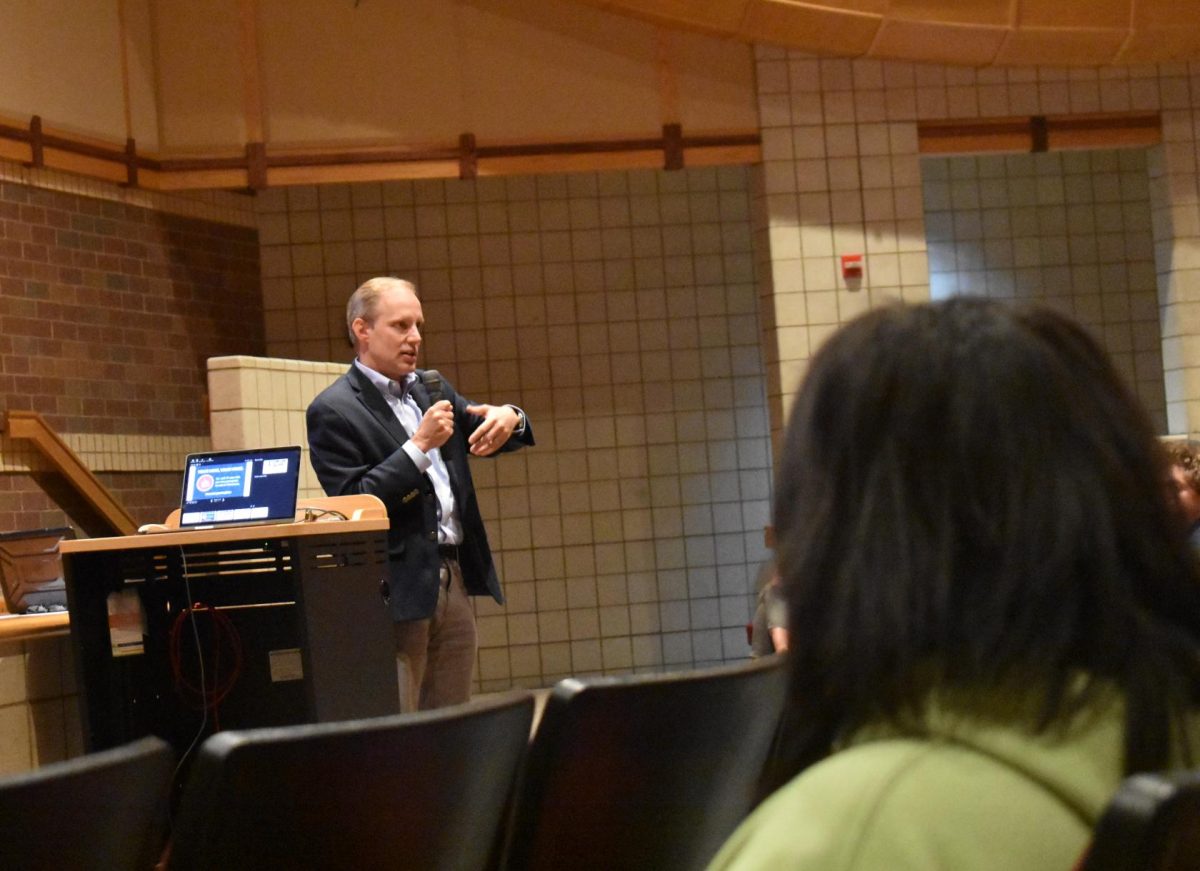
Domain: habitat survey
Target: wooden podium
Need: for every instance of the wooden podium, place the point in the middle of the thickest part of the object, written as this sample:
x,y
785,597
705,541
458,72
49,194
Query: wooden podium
x,y
181,633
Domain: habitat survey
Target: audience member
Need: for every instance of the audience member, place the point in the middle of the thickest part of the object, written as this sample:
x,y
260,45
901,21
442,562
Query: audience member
x,y
1185,476
399,433
768,629
995,615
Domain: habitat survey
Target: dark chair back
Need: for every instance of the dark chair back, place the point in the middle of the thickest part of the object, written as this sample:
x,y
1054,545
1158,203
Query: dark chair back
x,y
647,771
425,790
1151,824
102,810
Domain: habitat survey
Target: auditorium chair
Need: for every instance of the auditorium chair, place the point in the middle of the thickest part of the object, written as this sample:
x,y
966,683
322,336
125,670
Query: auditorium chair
x,y
1151,824
102,810
644,771
425,790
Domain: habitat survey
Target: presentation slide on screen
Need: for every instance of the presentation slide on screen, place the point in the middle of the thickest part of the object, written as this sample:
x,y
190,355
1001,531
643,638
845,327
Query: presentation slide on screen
x,y
236,489
221,481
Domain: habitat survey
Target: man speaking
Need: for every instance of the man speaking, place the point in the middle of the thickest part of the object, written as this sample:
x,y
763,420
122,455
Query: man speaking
x,y
402,434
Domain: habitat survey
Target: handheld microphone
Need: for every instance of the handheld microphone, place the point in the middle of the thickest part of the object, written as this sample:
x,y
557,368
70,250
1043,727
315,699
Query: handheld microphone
x,y
432,379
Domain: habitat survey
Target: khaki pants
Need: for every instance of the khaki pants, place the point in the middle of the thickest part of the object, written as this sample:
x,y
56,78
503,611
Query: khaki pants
x,y
435,658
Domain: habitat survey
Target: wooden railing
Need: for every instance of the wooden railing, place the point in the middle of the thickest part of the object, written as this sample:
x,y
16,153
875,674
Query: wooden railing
x,y
68,481
1040,133
259,166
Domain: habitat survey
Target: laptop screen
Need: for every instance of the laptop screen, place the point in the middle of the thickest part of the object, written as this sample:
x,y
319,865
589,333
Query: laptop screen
x,y
240,488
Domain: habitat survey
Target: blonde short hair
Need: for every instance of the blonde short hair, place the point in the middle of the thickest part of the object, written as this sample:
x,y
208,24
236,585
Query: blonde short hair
x,y
364,302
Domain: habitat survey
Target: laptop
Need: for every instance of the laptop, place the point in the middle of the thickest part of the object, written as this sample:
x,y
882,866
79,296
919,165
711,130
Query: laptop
x,y
240,488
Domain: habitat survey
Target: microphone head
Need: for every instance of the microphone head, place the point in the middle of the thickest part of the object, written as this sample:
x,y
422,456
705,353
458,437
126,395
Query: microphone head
x,y
432,379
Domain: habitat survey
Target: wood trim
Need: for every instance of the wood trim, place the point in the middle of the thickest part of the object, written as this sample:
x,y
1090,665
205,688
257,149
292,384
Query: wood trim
x,y
131,163
468,157
364,156
1041,133
717,155
353,173
37,155
179,538
256,165
672,147
29,627
194,164
106,169
588,161
259,167
195,180
1039,130
547,149
70,483
1094,131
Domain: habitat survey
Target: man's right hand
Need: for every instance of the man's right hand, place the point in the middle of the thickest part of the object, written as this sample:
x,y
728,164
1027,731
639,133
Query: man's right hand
x,y
436,427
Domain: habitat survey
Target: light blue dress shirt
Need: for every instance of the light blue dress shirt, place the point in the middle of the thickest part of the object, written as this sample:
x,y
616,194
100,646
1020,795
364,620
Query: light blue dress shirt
x,y
409,414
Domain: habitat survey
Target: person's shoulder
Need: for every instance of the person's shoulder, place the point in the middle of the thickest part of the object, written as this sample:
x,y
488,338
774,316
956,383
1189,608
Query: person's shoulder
x,y
335,391
905,804
815,820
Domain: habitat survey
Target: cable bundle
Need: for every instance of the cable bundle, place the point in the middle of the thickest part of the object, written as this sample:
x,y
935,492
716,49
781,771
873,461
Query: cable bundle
x,y
224,640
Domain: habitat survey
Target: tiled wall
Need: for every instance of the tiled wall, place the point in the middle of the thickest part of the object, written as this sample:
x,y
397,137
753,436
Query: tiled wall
x,y
1071,229
841,174
1175,200
39,719
260,402
619,310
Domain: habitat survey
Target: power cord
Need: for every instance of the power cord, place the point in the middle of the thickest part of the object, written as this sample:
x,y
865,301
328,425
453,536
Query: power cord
x,y
311,514
188,616
186,754
223,635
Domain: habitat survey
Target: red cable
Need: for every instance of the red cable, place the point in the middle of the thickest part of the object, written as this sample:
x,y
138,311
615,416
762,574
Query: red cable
x,y
223,634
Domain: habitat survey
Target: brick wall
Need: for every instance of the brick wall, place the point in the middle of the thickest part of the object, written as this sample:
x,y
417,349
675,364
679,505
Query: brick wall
x,y
108,312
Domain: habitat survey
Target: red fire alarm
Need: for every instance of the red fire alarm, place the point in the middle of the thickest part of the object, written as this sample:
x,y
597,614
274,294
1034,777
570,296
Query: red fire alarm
x,y
852,266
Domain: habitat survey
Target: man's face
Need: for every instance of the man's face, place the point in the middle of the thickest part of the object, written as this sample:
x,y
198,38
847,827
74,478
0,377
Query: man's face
x,y
1189,499
389,344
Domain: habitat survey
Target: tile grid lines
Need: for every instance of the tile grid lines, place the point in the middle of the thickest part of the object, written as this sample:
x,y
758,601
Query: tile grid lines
x,y
580,605
965,93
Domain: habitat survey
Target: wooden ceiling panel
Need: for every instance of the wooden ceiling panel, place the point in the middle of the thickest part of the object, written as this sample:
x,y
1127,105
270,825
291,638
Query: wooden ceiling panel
x,y
722,15
996,13
1082,14
871,7
1165,13
938,43
1034,46
1161,45
815,28
966,32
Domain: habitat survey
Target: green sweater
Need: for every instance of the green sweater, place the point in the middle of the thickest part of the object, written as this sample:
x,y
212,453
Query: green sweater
x,y
965,796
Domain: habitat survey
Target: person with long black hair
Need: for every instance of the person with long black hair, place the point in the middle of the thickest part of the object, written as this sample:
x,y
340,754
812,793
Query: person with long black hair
x,y
995,607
